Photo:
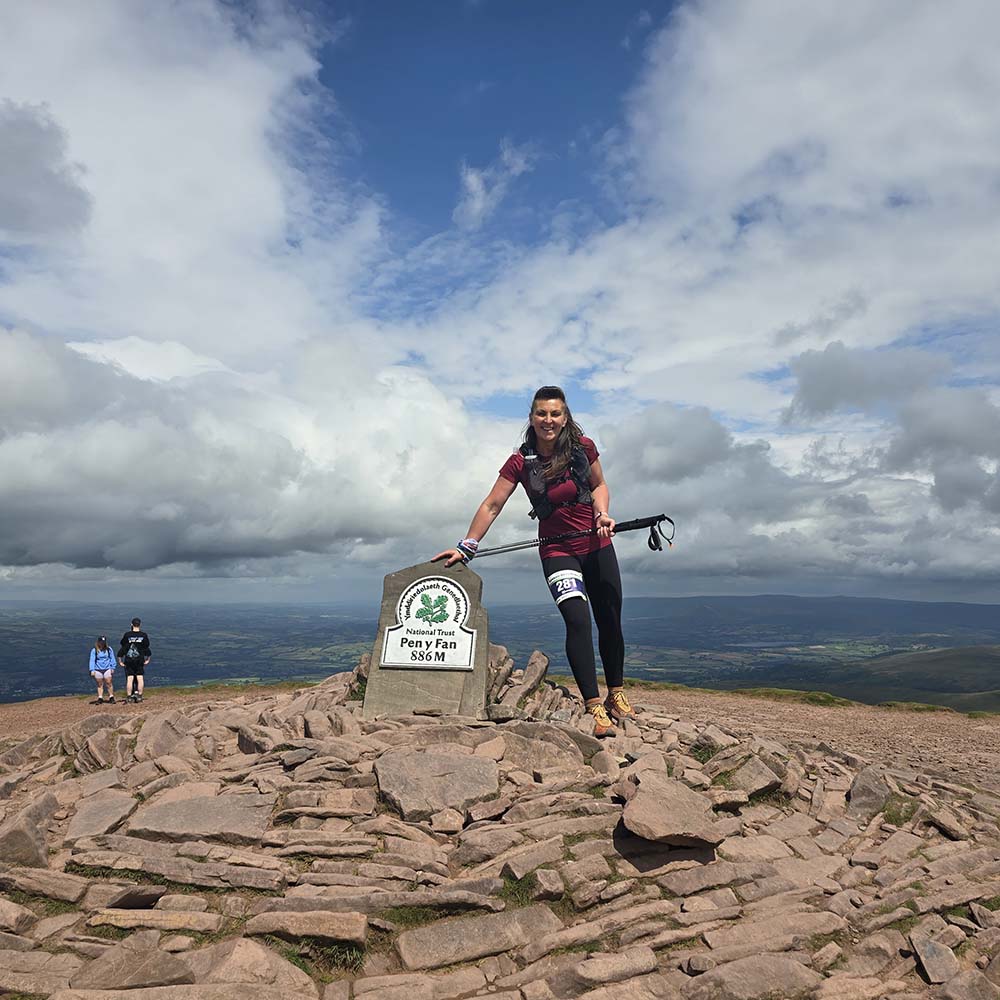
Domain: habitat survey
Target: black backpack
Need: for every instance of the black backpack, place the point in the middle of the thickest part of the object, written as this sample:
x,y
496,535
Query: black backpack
x,y
579,471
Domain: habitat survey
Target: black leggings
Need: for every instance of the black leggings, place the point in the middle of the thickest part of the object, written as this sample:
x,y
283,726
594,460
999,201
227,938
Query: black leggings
x,y
603,585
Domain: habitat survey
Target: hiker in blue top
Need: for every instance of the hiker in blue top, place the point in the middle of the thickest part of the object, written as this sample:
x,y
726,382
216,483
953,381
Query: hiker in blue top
x,y
102,669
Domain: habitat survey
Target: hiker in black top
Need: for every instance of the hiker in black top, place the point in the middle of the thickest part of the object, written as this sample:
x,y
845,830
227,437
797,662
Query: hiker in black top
x,y
133,654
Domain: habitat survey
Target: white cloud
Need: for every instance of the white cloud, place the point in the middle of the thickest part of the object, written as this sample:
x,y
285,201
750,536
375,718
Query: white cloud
x,y
809,228
838,377
192,134
119,471
797,224
483,189
40,191
156,362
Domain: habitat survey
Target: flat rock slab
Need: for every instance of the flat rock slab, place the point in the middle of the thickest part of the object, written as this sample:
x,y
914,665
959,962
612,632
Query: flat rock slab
x,y
761,933
710,876
161,920
526,859
420,784
91,784
14,918
465,939
613,968
939,961
755,977
668,812
165,733
15,942
791,826
22,836
408,986
340,802
200,991
374,902
231,819
100,813
9,782
133,963
755,777
44,882
529,752
49,927
875,953
969,985
245,961
210,874
655,986
559,734
868,793
342,928
36,972
759,848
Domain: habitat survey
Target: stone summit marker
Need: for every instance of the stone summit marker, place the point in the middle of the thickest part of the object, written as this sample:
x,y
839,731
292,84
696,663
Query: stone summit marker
x,y
432,648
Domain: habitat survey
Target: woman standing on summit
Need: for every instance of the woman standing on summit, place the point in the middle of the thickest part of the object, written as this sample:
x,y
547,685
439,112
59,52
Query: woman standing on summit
x,y
560,471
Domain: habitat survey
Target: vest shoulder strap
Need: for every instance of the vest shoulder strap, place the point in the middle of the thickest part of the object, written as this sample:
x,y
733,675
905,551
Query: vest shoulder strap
x,y
537,486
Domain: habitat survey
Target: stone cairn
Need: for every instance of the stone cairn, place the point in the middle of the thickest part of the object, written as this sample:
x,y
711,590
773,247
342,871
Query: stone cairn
x,y
282,847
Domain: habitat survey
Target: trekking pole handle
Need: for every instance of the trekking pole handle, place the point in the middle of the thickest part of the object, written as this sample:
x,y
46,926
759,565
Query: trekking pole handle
x,y
648,522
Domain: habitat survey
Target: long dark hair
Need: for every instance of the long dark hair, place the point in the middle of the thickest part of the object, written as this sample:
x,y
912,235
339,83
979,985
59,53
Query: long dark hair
x,y
101,645
569,436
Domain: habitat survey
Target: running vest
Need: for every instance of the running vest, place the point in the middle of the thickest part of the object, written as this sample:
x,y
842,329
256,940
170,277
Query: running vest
x,y
579,471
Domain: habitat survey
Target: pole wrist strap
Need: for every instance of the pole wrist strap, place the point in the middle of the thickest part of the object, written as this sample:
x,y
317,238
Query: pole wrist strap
x,y
468,547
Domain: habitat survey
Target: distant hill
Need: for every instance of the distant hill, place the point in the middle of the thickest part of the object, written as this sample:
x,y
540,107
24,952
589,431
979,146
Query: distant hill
x,y
819,619
969,668
965,678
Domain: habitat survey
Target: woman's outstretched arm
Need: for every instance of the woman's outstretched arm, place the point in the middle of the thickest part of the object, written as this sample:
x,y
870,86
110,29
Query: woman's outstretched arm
x,y
485,515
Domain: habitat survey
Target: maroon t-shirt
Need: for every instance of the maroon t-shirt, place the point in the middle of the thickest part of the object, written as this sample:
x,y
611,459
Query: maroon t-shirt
x,y
575,517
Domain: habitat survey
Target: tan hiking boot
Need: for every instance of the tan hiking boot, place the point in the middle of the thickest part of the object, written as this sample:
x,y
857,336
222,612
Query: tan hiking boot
x,y
603,726
618,707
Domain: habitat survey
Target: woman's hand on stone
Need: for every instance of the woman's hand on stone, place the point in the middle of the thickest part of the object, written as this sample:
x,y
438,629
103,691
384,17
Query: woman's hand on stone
x,y
451,555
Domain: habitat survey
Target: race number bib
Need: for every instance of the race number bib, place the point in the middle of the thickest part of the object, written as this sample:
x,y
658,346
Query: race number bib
x,y
566,583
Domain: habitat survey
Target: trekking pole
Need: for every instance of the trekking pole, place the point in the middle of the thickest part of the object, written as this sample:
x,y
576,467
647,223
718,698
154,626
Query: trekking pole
x,y
654,523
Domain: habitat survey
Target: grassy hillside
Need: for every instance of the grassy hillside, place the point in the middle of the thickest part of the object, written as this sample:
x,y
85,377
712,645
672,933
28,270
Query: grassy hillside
x,y
967,668
964,678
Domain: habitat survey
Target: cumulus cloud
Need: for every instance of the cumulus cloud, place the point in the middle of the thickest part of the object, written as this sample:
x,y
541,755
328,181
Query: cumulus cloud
x,y
839,376
215,222
787,335
946,421
42,385
671,444
115,470
40,190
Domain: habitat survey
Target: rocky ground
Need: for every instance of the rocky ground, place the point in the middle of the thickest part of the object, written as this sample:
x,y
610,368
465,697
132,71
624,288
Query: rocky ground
x,y
278,845
22,718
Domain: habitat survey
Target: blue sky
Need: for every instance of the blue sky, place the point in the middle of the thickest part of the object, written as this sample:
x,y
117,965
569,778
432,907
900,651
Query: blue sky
x,y
303,266
427,86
